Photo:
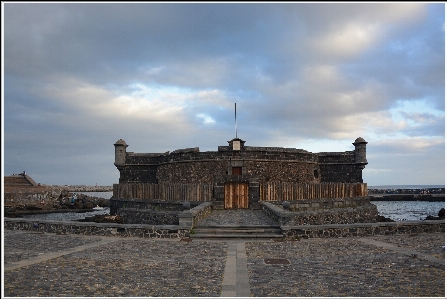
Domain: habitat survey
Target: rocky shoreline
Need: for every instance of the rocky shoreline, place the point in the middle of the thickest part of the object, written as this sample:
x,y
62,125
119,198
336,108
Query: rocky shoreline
x,y
66,202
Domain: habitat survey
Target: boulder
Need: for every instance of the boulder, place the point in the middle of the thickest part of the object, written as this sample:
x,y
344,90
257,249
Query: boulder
x,y
89,205
79,204
103,219
384,219
441,215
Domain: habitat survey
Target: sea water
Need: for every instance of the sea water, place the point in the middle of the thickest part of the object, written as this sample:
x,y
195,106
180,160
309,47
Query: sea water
x,y
68,216
408,210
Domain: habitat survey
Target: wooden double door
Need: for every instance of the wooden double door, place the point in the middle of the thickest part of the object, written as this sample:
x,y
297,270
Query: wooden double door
x,y
236,195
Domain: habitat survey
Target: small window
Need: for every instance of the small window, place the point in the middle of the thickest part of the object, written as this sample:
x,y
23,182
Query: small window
x,y
316,173
237,171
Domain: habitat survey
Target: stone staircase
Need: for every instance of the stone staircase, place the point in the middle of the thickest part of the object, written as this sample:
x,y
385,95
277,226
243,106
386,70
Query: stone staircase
x,y
19,180
237,232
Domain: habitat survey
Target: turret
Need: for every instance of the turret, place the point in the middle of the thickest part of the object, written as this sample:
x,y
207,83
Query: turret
x,y
360,152
120,152
236,144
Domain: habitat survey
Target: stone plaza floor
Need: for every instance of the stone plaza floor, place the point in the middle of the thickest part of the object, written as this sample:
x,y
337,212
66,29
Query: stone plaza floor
x,y
50,265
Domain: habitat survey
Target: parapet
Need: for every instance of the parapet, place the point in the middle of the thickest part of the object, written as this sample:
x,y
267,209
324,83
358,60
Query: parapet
x,y
186,150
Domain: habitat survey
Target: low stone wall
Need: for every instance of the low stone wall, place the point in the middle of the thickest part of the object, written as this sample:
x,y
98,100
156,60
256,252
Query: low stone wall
x,y
364,229
327,203
365,214
323,211
140,216
98,229
118,203
138,211
189,217
276,213
179,231
201,211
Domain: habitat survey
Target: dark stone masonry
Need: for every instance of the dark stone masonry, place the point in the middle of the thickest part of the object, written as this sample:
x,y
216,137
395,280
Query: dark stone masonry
x,y
266,163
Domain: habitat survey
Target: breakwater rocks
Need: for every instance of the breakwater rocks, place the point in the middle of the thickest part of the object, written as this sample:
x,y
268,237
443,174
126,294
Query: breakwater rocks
x,y
18,194
406,191
431,194
83,188
408,197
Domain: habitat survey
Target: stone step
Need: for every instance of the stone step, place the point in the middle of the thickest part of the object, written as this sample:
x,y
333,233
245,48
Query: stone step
x,y
237,232
236,236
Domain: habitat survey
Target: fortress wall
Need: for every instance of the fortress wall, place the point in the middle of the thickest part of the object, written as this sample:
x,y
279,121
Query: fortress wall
x,y
343,173
339,167
138,173
267,164
300,172
190,165
139,158
192,172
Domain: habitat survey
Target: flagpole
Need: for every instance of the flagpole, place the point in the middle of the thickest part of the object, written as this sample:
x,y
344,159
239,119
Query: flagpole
x,y
235,119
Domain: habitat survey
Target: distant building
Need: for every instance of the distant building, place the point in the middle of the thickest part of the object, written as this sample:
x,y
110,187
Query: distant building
x,y
19,180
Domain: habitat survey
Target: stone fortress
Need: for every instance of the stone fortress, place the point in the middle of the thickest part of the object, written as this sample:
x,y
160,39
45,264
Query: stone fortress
x,y
264,163
236,176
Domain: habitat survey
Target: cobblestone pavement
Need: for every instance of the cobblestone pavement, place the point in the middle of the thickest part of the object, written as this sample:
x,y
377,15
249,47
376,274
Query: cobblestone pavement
x,y
50,265
122,267
425,243
346,267
21,246
236,217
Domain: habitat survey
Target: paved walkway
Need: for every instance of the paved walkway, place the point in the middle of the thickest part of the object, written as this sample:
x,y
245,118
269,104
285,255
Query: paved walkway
x,y
236,217
50,265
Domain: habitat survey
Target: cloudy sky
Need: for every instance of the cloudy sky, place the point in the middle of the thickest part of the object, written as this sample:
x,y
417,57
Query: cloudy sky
x,y
78,76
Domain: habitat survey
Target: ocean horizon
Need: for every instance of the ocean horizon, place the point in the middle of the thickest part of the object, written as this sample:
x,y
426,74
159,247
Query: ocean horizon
x,y
406,186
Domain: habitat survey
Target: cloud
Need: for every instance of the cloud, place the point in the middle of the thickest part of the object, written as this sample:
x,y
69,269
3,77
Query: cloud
x,y
410,145
166,76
